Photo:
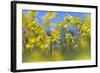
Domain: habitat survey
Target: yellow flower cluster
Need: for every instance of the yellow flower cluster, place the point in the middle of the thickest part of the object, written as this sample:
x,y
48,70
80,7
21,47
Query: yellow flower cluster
x,y
85,29
55,35
68,37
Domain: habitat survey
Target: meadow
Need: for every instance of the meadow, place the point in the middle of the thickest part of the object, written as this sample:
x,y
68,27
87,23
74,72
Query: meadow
x,y
55,36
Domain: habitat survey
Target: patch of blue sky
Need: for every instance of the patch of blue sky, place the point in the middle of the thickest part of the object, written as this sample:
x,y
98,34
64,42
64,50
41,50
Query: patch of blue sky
x,y
60,18
40,16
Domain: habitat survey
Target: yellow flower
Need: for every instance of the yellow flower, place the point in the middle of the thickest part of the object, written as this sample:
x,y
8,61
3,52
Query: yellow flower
x,y
28,46
68,36
47,40
41,46
32,40
66,19
55,32
55,35
31,24
61,25
41,27
66,27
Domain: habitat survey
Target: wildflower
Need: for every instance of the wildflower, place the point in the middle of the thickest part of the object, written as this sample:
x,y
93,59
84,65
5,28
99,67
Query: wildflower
x,y
32,40
25,30
55,35
56,44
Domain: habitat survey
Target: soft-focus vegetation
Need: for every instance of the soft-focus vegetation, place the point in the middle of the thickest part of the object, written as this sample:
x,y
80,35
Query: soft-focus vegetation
x,y
69,39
